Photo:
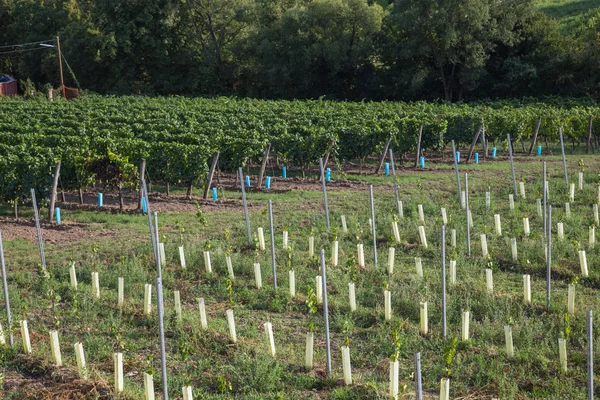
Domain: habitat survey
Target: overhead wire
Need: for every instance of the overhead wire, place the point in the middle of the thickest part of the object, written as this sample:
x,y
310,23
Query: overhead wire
x,y
27,44
22,50
19,48
71,71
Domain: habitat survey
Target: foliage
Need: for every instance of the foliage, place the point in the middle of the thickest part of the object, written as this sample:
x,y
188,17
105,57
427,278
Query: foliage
x,y
343,49
113,170
311,306
103,138
449,353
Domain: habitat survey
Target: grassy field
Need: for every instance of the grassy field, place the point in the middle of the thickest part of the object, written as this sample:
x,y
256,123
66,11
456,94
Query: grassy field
x,y
118,245
571,14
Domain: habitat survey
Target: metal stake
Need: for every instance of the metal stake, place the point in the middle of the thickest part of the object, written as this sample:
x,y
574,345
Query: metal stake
x,y
549,256
467,211
272,245
562,149
590,341
38,229
241,172
6,299
161,316
395,182
373,225
326,312
456,172
512,166
545,189
444,281
150,226
418,383
324,194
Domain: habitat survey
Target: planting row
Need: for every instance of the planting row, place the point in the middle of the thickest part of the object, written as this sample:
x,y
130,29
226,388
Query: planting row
x,y
103,139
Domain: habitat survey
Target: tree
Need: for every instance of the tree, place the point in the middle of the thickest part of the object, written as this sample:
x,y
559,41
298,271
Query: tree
x,y
132,43
589,72
324,47
449,41
214,28
525,68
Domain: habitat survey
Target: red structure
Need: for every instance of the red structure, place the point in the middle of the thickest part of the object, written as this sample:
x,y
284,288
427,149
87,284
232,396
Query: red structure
x,y
8,85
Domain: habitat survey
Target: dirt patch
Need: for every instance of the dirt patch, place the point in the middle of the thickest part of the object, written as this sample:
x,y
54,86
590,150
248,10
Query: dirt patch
x,y
296,183
181,203
158,202
37,380
51,233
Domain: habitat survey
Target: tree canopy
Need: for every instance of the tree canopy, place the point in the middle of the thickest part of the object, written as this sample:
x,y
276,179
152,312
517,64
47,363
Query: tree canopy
x,y
341,49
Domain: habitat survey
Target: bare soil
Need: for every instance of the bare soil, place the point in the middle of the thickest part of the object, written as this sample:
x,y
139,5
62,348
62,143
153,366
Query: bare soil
x,y
71,232
52,233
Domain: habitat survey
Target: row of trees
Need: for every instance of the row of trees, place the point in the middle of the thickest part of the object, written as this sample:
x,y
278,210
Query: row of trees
x,y
344,49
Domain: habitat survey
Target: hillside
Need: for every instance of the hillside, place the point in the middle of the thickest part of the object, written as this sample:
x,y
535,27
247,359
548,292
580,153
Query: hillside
x,y
572,14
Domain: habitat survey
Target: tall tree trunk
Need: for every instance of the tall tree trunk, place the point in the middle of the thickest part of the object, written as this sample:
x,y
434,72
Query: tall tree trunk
x,y
189,191
53,192
16,209
80,192
211,173
448,82
168,187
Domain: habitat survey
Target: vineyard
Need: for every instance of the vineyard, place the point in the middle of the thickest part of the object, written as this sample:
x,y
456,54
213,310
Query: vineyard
x,y
179,136
449,280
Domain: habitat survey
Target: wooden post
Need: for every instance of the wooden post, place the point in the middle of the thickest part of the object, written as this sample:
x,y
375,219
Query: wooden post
x,y
475,137
535,135
211,173
588,141
142,173
419,146
326,160
62,81
484,143
53,193
62,191
382,157
264,165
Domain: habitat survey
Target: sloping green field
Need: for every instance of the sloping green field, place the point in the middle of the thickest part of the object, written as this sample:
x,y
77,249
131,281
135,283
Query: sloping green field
x,y
572,14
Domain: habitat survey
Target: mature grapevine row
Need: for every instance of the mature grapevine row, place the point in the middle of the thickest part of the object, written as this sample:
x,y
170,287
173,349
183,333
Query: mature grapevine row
x,y
178,135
